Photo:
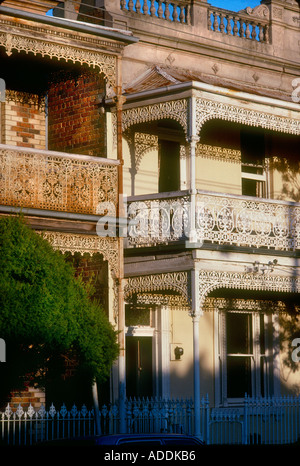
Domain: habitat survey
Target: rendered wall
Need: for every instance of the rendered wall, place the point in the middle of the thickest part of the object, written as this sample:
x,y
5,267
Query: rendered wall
x,y
181,371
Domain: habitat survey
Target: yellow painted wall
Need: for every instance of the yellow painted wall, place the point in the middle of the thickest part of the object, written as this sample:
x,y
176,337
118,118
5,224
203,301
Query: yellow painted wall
x,y
289,368
181,371
145,181
285,186
219,176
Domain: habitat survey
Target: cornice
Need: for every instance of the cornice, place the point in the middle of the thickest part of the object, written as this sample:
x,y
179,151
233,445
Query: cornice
x,y
216,50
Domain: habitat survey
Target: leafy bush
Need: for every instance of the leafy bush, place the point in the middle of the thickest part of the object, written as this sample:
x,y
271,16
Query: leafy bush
x,y
45,311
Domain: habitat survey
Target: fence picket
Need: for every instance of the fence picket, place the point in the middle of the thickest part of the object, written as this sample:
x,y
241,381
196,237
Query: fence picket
x,y
260,420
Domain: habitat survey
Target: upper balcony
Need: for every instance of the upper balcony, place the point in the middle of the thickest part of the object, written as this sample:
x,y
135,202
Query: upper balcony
x,y
219,219
54,73
56,181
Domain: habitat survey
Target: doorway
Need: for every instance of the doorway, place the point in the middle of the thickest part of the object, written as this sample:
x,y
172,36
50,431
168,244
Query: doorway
x,y
139,382
169,166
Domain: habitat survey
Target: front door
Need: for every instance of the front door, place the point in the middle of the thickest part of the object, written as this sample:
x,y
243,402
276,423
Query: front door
x,y
139,367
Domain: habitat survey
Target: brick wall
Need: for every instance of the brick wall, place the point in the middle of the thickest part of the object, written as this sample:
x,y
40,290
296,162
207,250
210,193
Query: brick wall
x,y
76,123
28,396
23,121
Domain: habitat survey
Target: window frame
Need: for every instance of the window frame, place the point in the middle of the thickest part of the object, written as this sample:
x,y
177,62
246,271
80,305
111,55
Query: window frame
x,y
261,364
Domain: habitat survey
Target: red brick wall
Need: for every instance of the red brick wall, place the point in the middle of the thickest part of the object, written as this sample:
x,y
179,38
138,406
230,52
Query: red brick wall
x,y
75,123
28,396
23,121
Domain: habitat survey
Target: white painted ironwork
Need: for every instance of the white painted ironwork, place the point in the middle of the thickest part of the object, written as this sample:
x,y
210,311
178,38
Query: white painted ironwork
x,y
272,420
220,219
26,426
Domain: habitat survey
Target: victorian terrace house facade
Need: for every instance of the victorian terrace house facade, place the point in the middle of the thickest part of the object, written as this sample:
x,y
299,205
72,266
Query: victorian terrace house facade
x,y
211,171
206,129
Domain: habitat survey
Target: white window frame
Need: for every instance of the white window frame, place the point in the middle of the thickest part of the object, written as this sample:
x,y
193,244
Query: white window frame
x,y
261,179
221,398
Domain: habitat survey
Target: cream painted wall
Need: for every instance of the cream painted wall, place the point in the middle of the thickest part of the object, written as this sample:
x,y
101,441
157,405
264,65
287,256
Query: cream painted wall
x,y
145,181
181,371
219,176
289,369
278,182
211,174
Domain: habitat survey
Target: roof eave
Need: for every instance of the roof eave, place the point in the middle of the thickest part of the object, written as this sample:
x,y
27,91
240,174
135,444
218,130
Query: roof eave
x,y
87,28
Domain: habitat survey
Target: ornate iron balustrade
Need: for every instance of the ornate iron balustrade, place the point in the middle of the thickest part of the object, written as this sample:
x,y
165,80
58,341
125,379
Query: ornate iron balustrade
x,y
249,24
177,11
56,181
250,222
158,220
220,219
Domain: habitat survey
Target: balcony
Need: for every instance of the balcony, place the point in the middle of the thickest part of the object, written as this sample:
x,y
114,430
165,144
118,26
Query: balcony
x,y
220,219
56,181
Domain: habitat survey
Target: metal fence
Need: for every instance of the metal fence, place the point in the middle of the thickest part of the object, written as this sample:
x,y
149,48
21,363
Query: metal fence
x,y
258,421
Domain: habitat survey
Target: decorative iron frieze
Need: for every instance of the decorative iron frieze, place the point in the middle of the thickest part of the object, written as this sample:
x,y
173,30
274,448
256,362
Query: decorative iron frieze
x,y
172,282
175,109
210,280
264,306
210,109
49,43
108,247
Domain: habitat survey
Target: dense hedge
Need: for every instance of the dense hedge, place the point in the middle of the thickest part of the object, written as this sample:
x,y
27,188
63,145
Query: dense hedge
x,y
45,311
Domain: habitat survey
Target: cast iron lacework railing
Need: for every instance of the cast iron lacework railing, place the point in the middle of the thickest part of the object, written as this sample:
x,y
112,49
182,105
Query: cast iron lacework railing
x,y
238,24
220,219
177,11
55,180
270,420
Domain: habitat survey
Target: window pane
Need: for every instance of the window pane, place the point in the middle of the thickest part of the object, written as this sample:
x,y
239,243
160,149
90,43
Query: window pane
x,y
135,316
239,333
262,334
262,377
238,377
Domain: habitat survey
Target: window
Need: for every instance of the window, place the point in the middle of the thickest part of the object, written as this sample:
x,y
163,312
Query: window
x,y
239,347
243,365
253,163
138,316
